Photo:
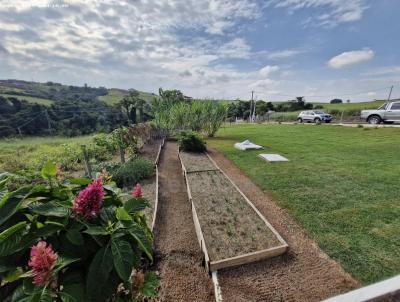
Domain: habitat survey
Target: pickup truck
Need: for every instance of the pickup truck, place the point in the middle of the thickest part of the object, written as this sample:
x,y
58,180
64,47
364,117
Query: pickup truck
x,y
387,113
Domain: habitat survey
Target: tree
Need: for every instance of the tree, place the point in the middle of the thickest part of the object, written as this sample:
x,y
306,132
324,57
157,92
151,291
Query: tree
x,y
129,104
261,108
336,101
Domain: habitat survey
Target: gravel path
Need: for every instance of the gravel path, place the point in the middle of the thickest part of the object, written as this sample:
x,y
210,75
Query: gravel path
x,y
178,255
305,273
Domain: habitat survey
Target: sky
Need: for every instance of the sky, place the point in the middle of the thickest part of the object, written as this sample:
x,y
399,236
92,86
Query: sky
x,y
220,49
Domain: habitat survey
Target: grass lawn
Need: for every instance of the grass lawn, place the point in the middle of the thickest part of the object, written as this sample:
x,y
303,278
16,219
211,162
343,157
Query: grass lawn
x,y
341,184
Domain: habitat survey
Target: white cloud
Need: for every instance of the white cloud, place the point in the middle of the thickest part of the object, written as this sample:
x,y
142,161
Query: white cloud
x,y
268,69
350,58
284,54
237,48
336,11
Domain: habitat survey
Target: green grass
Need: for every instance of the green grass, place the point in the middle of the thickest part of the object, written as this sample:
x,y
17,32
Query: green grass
x,y
30,99
352,106
31,153
115,95
341,184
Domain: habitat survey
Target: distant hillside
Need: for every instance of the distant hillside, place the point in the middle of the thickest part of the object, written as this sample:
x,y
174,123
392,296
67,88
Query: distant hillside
x,y
31,108
47,93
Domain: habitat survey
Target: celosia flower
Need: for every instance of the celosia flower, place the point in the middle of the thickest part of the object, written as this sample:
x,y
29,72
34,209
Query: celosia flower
x,y
89,201
137,192
42,261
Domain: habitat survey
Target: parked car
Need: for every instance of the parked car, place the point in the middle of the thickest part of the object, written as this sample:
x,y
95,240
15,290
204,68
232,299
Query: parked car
x,y
387,113
314,116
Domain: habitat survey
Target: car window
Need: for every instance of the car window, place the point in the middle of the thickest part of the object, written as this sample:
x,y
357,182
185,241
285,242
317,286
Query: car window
x,y
395,106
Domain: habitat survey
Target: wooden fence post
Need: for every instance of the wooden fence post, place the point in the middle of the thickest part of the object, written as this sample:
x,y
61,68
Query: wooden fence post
x,y
87,161
122,154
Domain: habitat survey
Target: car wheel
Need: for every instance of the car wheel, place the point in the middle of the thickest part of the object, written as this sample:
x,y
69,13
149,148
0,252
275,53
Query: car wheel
x,y
327,122
374,119
317,120
300,120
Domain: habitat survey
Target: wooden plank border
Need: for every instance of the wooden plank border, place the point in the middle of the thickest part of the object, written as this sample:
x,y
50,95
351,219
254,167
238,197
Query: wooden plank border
x,y
217,288
153,223
159,152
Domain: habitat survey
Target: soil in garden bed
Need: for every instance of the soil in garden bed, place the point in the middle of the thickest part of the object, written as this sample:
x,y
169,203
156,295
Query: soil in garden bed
x,y
178,256
150,150
230,226
304,273
196,162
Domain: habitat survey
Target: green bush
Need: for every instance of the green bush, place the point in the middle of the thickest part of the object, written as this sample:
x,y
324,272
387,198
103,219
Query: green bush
x,y
76,240
191,142
132,172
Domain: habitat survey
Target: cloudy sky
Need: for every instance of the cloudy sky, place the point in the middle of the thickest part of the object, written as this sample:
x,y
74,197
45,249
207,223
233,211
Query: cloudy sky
x,y
320,49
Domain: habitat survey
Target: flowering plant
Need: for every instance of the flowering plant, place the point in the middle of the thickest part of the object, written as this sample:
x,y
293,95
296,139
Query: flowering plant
x,y
80,240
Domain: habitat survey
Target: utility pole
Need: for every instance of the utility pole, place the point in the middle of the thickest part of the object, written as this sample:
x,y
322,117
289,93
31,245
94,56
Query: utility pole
x,y
390,93
48,120
251,106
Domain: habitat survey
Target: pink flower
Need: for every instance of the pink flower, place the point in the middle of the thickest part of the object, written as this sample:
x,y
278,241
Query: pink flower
x,y
137,192
89,201
42,261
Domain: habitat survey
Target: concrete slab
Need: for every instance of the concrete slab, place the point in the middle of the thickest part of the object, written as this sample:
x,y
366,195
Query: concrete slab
x,y
273,157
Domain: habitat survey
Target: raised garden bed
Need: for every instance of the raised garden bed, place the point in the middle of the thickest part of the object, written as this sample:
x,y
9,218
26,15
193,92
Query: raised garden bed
x,y
196,162
230,230
152,152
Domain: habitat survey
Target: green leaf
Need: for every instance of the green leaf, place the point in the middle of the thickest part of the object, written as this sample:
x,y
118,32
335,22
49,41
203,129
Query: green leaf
x,y
80,181
134,205
150,285
98,273
123,258
40,295
67,297
95,230
11,238
12,276
11,202
122,214
49,170
49,209
75,237
108,214
141,238
63,262
18,294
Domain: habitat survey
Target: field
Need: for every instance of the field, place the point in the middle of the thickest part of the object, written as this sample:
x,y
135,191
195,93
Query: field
x,y
352,106
341,185
115,95
30,99
31,153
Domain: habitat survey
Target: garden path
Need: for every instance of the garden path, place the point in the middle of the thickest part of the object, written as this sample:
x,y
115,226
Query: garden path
x,y
178,256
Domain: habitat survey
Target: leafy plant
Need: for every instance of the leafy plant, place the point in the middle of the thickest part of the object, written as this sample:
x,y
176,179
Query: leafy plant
x,y
132,172
73,241
191,141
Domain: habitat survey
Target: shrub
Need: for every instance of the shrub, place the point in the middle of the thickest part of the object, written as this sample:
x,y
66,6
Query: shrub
x,y
191,141
73,241
132,172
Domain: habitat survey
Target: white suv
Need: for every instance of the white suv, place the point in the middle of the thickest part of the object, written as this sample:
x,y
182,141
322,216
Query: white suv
x,y
314,116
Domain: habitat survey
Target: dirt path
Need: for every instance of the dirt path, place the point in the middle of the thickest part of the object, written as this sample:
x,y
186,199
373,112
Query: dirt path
x,y
305,273
179,259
